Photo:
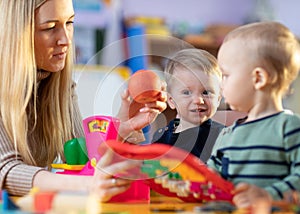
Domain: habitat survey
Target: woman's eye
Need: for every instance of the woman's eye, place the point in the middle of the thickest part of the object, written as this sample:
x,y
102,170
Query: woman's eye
x,y
49,28
70,22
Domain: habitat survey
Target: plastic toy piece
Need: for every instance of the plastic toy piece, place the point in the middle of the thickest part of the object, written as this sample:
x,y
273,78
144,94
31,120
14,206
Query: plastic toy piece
x,y
97,130
152,168
174,172
43,201
144,86
87,169
38,202
80,151
67,166
75,151
7,203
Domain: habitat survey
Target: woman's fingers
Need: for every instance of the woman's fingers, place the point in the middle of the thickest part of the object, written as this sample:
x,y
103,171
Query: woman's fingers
x,y
125,105
112,182
108,180
107,188
106,168
106,195
156,107
163,86
119,168
106,159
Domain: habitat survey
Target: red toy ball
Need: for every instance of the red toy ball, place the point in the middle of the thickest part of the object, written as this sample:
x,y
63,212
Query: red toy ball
x,y
144,86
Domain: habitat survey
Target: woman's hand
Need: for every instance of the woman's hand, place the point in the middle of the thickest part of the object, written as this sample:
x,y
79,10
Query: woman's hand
x,y
135,116
104,185
253,197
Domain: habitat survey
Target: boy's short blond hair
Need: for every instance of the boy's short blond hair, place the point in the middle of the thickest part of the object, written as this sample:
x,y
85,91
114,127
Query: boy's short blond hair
x,y
275,48
194,60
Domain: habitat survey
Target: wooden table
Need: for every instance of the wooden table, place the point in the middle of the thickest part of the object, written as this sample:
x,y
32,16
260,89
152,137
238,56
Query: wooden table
x,y
167,205
157,205
81,204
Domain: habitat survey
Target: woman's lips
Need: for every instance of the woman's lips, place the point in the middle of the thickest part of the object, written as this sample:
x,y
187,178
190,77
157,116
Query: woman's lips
x,y
61,55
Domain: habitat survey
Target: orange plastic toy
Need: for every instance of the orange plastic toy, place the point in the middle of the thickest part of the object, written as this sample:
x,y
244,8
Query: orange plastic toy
x,y
144,86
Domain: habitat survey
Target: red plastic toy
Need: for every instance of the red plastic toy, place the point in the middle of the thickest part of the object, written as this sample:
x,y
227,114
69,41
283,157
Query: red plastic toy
x,y
174,172
165,169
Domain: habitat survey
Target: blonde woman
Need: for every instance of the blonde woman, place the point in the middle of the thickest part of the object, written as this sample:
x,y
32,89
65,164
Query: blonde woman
x,y
38,106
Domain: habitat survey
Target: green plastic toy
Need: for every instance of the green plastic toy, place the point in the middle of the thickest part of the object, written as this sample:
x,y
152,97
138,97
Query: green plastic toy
x,y
76,152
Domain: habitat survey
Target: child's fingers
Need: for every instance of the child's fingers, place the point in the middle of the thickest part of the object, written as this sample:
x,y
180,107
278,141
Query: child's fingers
x,y
248,195
241,201
240,198
241,187
292,197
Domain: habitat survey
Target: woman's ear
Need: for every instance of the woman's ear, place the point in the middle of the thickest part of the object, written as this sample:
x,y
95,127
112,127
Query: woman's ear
x,y
260,78
171,102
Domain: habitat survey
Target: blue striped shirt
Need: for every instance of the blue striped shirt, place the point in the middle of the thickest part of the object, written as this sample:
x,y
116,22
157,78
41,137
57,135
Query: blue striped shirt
x,y
264,152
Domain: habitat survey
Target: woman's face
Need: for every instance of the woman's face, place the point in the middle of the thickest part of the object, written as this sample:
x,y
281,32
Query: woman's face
x,y
53,34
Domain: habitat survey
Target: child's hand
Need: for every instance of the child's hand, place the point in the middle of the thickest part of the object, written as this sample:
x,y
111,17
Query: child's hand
x,y
292,197
251,196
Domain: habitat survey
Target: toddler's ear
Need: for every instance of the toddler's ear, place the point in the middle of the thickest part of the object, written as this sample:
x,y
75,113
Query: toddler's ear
x,y
220,98
171,102
260,77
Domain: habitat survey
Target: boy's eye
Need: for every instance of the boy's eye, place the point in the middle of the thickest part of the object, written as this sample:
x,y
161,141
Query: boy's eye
x,y
186,92
206,92
224,76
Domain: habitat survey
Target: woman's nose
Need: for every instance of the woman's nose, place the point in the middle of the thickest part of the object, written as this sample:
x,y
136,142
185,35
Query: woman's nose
x,y
64,37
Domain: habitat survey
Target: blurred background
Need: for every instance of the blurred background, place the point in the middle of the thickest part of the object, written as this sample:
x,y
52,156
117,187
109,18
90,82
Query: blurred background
x,y
115,38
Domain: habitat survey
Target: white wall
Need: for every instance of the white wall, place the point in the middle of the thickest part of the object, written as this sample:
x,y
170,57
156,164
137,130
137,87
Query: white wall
x,y
98,90
205,12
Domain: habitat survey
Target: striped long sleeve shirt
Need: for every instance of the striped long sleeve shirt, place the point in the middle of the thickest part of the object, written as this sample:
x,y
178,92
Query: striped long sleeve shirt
x,y
264,152
16,176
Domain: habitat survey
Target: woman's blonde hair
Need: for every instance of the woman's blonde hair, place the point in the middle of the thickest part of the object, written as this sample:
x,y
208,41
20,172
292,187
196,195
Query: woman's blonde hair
x,y
28,111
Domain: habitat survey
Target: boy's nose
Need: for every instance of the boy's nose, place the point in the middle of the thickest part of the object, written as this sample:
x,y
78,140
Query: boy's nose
x,y
198,100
